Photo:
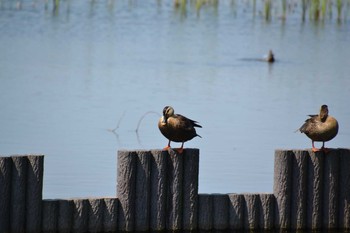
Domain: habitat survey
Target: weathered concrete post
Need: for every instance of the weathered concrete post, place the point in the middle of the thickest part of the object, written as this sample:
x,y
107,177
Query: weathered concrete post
x,y
220,211
315,190
190,189
282,187
80,216
236,211
110,215
5,193
331,190
158,198
35,172
299,189
174,191
65,216
142,196
344,189
267,211
18,194
95,211
205,212
251,211
50,216
126,190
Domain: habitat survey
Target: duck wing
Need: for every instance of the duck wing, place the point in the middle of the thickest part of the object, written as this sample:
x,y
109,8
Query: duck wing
x,y
188,123
309,124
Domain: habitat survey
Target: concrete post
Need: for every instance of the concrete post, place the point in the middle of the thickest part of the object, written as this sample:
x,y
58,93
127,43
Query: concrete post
x,y
282,187
142,196
110,215
190,189
220,211
35,172
65,216
126,190
174,191
315,190
5,193
49,216
344,189
158,198
95,212
205,212
331,190
299,189
18,194
236,211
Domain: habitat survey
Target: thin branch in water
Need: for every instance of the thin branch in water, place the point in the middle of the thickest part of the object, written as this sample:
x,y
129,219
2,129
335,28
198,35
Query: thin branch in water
x,y
120,120
143,116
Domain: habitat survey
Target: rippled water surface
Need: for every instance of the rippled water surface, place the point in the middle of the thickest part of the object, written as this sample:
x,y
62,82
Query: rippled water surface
x,y
71,72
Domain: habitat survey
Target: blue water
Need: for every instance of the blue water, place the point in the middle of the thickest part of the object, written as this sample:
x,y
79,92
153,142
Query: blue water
x,y
70,74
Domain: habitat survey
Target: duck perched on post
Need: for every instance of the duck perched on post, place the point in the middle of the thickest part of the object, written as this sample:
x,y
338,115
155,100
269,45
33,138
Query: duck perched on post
x,y
320,128
177,128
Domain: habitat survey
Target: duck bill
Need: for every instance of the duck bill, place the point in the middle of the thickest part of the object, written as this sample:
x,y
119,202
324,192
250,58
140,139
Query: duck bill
x,y
164,120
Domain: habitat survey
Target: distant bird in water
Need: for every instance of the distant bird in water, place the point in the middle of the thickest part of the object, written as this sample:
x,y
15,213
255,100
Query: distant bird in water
x,y
320,128
176,127
270,57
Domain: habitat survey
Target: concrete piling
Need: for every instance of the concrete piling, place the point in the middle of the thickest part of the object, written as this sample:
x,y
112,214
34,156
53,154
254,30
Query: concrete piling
x,y
315,190
205,212
174,191
344,189
158,198
65,216
50,216
190,189
142,196
282,187
299,187
110,214
126,190
5,193
158,190
18,193
236,211
35,170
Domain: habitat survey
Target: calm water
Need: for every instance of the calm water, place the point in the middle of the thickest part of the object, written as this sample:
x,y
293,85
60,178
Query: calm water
x,y
70,74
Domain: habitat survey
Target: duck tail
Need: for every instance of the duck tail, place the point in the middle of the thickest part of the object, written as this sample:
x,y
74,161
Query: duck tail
x,y
199,135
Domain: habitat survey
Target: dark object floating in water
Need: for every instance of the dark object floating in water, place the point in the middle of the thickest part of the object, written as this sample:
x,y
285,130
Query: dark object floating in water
x,y
270,58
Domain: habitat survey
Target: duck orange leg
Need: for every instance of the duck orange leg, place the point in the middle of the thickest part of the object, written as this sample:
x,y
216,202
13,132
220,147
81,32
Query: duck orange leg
x,y
326,150
167,147
314,149
181,150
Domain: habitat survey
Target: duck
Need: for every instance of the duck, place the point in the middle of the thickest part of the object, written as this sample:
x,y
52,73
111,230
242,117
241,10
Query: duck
x,y
177,128
270,57
320,128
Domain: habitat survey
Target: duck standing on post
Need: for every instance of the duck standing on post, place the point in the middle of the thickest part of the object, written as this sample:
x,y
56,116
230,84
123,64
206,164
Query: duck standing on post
x,y
177,128
320,128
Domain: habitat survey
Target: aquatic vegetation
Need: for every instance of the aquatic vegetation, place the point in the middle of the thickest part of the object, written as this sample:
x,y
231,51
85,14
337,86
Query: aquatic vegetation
x,y
267,10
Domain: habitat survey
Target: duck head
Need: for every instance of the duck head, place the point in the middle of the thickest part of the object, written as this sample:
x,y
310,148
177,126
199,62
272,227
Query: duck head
x,y
168,111
323,112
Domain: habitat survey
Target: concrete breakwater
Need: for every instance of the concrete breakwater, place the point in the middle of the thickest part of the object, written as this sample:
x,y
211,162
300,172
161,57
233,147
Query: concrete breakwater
x,y
158,190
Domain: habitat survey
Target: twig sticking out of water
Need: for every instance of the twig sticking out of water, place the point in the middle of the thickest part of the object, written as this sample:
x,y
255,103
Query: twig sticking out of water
x,y
143,116
120,120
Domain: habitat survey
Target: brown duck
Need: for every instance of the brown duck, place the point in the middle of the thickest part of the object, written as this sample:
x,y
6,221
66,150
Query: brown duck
x,y
320,128
177,128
